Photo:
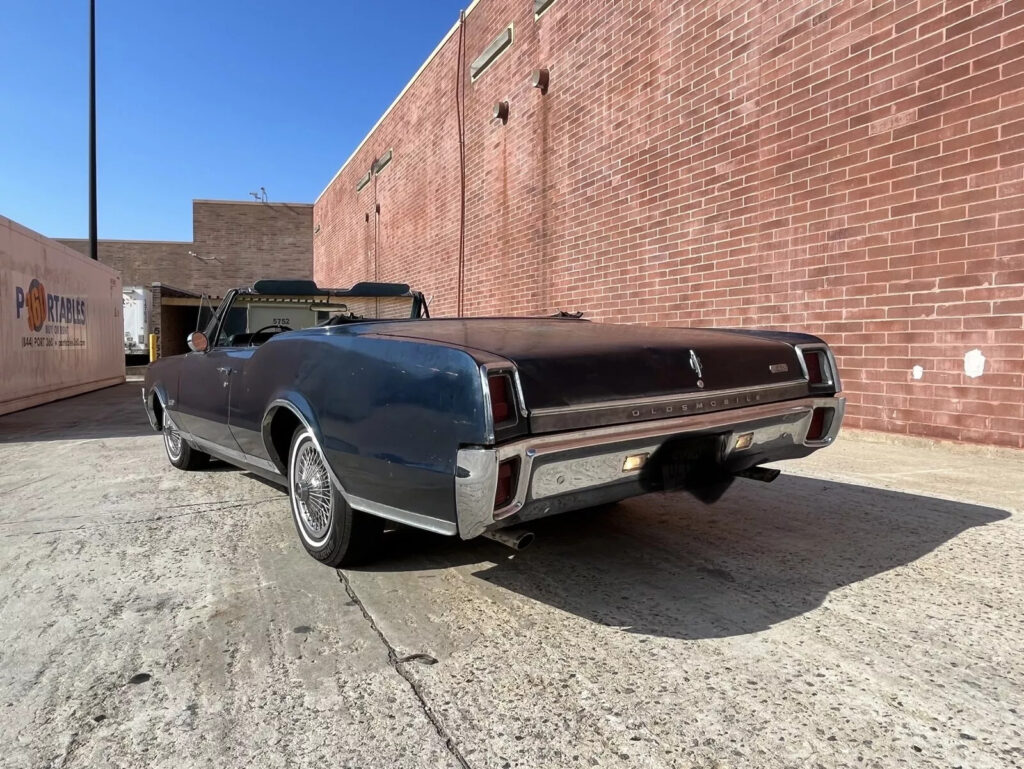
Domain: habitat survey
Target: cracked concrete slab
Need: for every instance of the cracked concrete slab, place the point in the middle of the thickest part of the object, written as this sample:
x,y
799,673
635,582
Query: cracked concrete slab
x,y
863,610
115,565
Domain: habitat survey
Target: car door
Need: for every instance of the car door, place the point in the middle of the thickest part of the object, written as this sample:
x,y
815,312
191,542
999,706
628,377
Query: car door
x,y
246,408
204,392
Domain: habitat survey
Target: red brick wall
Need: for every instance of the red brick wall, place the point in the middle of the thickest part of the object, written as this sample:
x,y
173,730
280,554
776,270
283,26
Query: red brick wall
x,y
415,236
851,169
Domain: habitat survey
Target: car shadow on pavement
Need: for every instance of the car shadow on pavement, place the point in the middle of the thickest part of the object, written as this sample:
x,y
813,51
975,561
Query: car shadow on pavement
x,y
113,412
667,565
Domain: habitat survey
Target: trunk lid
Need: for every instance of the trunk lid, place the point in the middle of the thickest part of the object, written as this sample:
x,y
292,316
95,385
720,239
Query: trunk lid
x,y
577,365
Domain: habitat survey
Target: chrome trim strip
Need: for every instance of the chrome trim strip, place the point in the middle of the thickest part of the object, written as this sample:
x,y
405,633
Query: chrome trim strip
x,y
409,518
830,378
417,520
707,421
663,406
234,455
486,369
474,506
662,399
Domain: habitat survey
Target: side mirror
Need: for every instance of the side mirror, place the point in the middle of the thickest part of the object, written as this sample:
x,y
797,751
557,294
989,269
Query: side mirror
x,y
197,342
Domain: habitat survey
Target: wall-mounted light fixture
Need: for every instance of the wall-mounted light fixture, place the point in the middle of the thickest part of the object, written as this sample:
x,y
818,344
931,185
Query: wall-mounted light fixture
x,y
501,111
366,216
377,208
540,79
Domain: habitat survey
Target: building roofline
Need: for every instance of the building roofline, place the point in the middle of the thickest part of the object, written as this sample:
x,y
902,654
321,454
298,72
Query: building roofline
x,y
401,93
249,202
129,240
181,292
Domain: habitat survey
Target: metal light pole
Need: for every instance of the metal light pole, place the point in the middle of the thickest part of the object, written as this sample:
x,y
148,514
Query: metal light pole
x,y
93,252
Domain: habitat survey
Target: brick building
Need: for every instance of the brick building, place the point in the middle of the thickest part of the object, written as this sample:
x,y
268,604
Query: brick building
x,y
234,243
853,169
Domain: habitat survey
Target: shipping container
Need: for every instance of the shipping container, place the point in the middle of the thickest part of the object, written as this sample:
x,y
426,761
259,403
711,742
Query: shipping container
x,y
61,325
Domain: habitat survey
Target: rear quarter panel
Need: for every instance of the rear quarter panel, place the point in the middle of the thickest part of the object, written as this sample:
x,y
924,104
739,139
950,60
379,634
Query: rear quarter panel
x,y
390,413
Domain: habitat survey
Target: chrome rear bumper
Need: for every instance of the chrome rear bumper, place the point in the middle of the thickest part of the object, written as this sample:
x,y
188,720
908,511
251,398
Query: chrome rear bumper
x,y
573,470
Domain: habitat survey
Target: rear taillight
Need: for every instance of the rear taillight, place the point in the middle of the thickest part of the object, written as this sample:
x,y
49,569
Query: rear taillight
x,y
508,477
502,410
813,361
821,420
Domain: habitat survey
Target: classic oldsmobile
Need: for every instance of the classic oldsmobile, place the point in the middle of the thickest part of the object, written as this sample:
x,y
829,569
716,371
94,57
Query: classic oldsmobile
x,y
370,411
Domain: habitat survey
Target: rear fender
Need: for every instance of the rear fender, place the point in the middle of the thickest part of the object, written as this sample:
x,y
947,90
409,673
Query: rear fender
x,y
299,406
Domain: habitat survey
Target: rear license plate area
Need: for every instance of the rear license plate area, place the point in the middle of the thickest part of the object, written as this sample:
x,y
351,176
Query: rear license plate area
x,y
686,463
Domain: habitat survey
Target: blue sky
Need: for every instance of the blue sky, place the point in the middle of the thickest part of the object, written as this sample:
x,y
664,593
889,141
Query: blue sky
x,y
194,100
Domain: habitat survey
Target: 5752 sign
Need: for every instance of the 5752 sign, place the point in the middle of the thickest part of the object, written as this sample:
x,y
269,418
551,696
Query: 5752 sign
x,y
51,320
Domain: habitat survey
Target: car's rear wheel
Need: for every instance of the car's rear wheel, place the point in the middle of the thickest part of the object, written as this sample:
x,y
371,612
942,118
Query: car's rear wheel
x,y
179,453
329,529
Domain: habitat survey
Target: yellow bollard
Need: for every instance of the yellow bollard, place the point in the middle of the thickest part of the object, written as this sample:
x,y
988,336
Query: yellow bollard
x,y
152,348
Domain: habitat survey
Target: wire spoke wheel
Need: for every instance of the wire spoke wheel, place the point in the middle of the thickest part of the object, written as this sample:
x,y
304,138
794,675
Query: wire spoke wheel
x,y
312,494
172,442
329,529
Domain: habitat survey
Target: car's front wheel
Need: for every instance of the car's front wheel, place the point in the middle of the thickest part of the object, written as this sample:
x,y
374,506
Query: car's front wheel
x,y
179,453
330,530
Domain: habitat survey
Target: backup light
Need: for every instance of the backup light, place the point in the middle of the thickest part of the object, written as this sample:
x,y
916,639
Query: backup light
x,y
634,462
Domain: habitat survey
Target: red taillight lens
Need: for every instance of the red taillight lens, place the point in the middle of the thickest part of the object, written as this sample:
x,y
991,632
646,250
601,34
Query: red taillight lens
x,y
813,361
501,398
821,419
508,475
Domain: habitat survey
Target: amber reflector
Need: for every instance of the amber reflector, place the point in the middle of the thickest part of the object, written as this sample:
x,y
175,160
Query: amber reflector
x,y
744,441
634,462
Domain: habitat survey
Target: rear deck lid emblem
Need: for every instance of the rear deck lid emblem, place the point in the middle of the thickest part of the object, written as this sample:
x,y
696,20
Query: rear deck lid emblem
x,y
695,364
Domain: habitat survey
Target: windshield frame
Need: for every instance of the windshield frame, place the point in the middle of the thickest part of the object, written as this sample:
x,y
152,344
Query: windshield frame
x,y
214,327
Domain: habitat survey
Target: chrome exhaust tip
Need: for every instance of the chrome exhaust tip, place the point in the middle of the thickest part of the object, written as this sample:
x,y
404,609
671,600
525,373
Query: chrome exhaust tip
x,y
517,539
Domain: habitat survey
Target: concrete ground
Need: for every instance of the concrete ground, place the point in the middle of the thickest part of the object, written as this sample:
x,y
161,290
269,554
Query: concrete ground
x,y
863,610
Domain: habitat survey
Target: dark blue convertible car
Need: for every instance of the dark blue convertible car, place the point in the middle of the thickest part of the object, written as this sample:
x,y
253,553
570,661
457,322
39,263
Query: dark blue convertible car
x,y
370,411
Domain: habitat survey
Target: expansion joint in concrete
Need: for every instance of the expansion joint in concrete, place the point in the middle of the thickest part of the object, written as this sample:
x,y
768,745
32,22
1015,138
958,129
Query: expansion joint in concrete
x,y
397,663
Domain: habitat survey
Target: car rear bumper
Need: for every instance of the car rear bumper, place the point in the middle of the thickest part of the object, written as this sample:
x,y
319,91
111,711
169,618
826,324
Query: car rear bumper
x,y
573,470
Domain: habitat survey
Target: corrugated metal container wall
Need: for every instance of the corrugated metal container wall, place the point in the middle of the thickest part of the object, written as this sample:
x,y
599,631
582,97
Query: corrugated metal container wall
x,y
61,331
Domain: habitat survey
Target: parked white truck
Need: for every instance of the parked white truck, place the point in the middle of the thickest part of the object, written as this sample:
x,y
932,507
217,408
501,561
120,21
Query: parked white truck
x,y
135,342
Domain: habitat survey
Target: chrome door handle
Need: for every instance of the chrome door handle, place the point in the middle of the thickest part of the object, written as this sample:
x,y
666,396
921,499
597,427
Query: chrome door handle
x,y
225,370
